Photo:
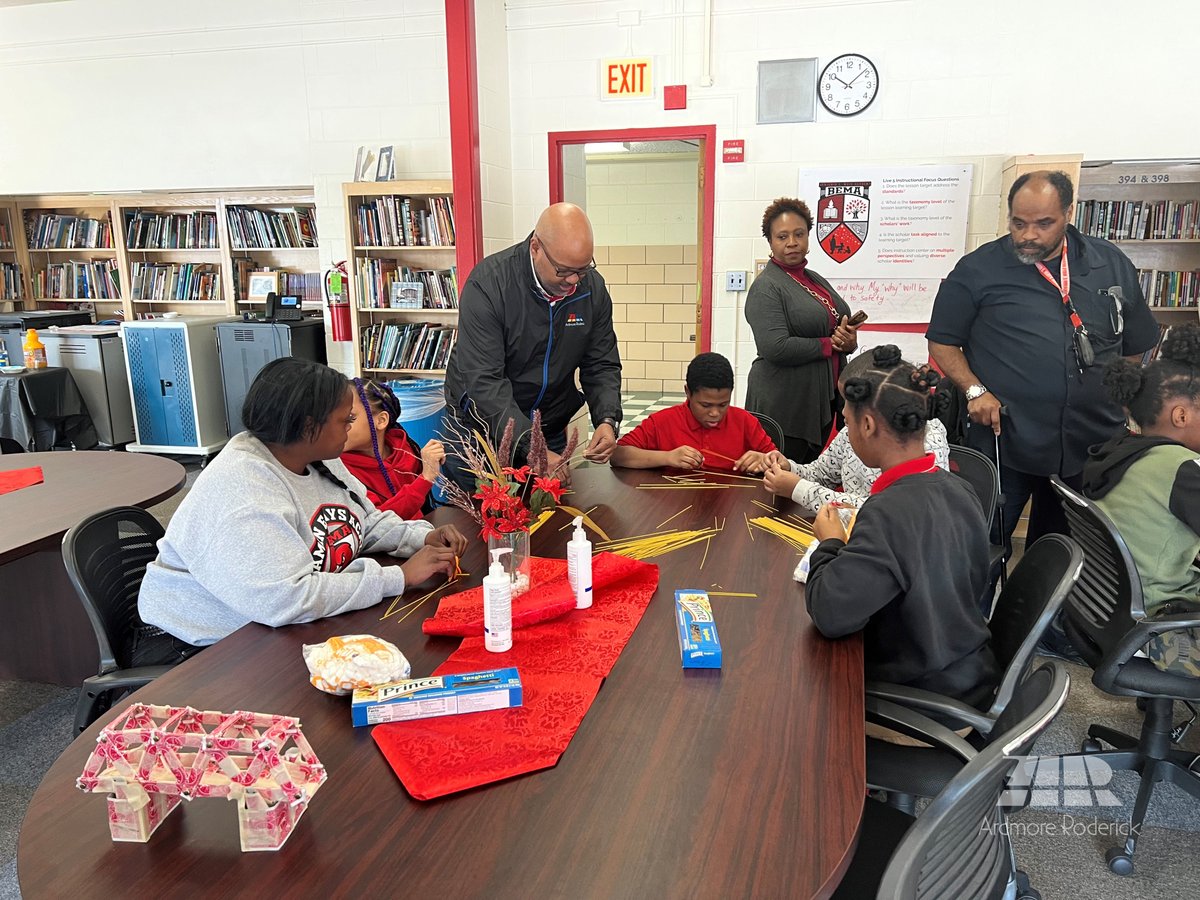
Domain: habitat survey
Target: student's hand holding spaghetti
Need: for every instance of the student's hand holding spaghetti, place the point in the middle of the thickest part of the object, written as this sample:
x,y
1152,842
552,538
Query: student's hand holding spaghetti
x,y
433,454
776,458
427,562
780,480
685,458
751,461
447,536
828,523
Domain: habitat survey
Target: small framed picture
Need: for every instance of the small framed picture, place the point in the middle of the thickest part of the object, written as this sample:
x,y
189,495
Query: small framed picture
x,y
385,168
407,295
260,284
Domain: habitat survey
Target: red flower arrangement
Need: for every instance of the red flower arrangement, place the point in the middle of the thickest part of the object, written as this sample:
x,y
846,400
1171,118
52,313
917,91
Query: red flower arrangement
x,y
509,498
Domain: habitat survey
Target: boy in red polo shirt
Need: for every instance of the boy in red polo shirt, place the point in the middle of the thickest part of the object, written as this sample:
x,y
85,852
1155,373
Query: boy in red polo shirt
x,y
702,431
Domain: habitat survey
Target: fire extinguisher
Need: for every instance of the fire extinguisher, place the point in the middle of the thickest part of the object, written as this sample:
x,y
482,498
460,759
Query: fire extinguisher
x,y
338,299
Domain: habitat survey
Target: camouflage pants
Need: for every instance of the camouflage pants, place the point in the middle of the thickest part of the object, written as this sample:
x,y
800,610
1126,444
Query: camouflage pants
x,y
1177,652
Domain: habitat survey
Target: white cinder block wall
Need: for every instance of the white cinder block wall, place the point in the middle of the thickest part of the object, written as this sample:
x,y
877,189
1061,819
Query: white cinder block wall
x,y
139,94
960,82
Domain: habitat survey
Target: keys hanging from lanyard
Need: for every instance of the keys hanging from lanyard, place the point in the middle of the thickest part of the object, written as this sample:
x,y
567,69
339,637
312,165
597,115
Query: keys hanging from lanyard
x,y
1081,344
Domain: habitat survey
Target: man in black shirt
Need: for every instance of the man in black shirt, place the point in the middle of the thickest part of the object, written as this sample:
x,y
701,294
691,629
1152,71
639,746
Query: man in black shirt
x,y
531,319
1025,329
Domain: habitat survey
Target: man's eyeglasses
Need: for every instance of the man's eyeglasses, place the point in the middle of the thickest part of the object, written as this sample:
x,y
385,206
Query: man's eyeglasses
x,y
562,271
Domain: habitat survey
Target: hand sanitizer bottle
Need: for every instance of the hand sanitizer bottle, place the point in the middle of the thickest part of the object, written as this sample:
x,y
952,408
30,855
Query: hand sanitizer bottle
x,y
579,566
497,605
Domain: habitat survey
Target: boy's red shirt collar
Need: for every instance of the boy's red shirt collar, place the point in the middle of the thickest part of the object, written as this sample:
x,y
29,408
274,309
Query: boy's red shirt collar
x,y
919,466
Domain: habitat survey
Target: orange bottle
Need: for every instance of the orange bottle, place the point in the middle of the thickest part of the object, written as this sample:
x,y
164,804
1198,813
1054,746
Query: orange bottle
x,y
35,350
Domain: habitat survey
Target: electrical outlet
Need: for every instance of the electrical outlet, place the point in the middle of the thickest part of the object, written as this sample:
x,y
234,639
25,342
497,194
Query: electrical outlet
x,y
735,280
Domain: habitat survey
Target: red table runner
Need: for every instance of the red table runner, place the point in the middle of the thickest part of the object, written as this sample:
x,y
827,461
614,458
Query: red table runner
x,y
20,478
562,663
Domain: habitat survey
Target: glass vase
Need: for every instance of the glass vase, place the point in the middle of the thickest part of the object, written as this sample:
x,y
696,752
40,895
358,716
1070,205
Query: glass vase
x,y
516,562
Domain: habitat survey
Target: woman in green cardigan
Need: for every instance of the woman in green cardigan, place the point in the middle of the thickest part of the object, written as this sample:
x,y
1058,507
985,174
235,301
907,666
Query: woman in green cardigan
x,y
802,332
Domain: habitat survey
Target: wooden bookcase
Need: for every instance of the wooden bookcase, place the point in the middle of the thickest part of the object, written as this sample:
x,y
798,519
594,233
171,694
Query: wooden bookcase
x,y
72,253
1152,212
377,260
170,231
13,287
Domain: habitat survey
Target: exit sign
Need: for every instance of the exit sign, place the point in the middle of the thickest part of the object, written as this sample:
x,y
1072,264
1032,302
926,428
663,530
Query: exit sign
x,y
626,79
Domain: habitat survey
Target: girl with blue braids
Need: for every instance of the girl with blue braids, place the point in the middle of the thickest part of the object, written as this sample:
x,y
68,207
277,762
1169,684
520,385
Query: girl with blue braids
x,y
380,454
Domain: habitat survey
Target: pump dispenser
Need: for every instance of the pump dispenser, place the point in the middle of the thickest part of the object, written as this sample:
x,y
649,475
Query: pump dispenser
x,y
497,605
579,566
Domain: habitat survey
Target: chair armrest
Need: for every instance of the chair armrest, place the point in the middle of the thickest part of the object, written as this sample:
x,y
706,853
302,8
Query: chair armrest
x,y
929,702
915,725
126,678
1139,635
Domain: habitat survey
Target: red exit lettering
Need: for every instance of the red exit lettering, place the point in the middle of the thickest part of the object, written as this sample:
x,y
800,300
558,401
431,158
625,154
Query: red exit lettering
x,y
627,78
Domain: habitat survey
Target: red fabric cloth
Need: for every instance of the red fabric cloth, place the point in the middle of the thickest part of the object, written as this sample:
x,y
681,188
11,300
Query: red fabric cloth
x,y
562,664
20,478
405,468
675,427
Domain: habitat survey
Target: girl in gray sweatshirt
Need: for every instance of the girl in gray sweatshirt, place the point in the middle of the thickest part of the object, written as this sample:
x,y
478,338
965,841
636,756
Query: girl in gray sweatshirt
x,y
275,529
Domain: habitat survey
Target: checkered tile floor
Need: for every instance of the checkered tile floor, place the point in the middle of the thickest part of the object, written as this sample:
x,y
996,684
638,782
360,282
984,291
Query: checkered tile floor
x,y
639,404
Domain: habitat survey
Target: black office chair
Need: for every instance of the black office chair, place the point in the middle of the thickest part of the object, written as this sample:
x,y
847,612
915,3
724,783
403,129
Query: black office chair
x,y
106,556
981,474
1028,603
959,848
772,428
1106,620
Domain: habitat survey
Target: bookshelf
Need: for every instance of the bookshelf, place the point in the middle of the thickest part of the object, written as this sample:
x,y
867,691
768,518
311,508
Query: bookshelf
x,y
402,233
12,283
72,255
155,252
274,232
1152,212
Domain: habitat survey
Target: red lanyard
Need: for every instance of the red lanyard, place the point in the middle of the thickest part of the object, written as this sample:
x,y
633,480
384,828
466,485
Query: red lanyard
x,y
1063,285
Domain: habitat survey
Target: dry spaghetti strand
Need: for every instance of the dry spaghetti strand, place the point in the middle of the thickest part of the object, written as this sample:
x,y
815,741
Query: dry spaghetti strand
x,y
785,531
648,546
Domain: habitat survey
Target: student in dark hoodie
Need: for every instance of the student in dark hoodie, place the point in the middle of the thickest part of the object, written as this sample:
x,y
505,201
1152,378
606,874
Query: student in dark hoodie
x,y
1149,483
911,573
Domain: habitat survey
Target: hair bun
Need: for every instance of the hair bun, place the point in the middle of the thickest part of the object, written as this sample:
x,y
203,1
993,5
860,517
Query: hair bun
x,y
887,356
1182,345
908,417
925,378
857,390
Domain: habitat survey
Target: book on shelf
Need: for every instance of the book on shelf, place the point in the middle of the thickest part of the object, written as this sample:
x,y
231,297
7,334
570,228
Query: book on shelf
x,y
251,227
1170,290
396,221
5,236
375,280
51,231
10,282
78,279
409,345
305,285
148,230
170,282
407,294
1139,220
1152,354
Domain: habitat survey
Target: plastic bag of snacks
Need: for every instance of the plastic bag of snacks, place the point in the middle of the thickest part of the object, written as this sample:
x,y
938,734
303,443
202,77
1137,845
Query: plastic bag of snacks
x,y
341,664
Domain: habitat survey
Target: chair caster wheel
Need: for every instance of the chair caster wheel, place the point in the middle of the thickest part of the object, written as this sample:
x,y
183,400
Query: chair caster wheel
x,y
1024,891
1090,745
1119,862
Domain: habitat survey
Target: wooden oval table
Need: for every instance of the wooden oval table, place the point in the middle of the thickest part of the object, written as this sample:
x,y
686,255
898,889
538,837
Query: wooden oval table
x,y
46,634
739,782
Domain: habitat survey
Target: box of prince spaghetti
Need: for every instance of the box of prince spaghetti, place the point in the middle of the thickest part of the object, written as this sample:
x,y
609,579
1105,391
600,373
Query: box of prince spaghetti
x,y
699,646
438,695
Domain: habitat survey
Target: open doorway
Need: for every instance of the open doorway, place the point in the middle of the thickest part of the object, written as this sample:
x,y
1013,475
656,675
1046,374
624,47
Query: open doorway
x,y
649,195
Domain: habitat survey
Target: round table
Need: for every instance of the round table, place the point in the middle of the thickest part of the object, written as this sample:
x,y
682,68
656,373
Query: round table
x,y
47,636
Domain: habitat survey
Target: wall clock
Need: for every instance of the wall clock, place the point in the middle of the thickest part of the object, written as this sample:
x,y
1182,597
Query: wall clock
x,y
848,84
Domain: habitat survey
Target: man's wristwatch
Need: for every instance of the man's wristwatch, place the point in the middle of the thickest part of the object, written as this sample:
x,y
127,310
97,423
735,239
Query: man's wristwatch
x,y
612,423
975,391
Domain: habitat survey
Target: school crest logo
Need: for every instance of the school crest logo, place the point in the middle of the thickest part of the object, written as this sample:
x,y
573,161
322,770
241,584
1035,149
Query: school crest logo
x,y
337,535
843,217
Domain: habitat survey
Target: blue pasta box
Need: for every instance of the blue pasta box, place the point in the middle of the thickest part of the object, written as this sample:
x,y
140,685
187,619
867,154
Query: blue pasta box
x,y
437,695
699,646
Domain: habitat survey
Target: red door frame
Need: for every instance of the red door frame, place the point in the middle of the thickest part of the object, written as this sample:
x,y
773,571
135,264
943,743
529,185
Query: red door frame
x,y
462,75
707,135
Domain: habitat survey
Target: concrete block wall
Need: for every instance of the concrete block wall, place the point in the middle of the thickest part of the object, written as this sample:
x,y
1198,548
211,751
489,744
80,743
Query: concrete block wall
x,y
653,290
634,200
